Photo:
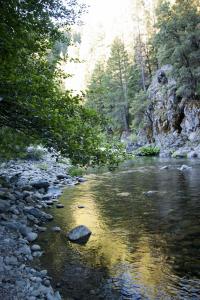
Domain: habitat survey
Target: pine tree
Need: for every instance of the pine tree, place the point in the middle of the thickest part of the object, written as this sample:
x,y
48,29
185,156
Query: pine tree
x,y
118,69
178,43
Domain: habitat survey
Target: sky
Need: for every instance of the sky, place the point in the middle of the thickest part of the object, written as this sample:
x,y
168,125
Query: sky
x,y
105,20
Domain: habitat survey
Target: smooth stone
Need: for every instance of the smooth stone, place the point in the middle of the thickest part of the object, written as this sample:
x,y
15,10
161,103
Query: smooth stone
x,y
79,234
62,176
35,247
164,168
37,253
56,229
31,236
4,206
81,206
60,205
49,202
184,167
150,193
81,179
46,282
41,229
41,184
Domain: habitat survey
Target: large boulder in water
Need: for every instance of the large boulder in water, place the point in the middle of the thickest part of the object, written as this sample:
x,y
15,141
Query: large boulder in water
x,y
79,234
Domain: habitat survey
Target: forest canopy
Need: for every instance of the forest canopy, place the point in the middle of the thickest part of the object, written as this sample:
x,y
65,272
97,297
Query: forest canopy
x,y
34,106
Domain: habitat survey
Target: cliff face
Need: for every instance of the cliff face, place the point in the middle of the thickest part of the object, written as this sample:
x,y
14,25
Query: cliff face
x,y
172,122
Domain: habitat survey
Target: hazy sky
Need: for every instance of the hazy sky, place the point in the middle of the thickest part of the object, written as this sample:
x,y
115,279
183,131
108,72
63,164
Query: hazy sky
x,y
105,20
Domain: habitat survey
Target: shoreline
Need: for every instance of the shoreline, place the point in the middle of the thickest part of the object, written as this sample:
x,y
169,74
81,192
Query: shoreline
x,y
26,188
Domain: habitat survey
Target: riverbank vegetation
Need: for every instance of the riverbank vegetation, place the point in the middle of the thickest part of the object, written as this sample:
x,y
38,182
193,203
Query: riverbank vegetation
x,y
36,108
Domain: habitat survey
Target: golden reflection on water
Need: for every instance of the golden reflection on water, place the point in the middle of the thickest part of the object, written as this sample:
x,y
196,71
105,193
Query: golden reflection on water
x,y
110,247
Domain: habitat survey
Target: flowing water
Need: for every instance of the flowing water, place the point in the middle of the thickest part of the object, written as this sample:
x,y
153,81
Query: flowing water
x,y
143,246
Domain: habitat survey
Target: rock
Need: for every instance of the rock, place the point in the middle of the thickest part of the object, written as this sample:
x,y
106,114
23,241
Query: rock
x,y
31,236
46,282
41,184
81,179
27,188
41,229
62,176
184,167
56,229
43,273
60,205
49,202
12,260
4,206
25,250
32,219
192,154
81,206
24,230
37,253
38,214
149,193
79,234
181,153
35,247
164,168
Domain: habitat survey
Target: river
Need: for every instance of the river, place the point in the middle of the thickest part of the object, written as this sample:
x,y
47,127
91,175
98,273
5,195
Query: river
x,y
143,246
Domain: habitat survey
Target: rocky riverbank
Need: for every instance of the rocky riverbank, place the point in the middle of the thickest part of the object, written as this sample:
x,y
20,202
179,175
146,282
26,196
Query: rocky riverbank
x,y
26,189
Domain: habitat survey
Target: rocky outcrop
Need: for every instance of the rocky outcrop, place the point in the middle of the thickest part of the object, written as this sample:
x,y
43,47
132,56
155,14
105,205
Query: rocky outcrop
x,y
173,122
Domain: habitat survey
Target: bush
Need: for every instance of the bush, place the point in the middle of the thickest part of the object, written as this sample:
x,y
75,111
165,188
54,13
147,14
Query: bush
x,y
148,151
76,171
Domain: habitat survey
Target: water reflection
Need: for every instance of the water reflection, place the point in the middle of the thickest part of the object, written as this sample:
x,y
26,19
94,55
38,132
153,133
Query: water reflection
x,y
141,247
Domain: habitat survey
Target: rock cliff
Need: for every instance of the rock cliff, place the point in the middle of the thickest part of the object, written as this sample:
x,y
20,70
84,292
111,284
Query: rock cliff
x,y
172,122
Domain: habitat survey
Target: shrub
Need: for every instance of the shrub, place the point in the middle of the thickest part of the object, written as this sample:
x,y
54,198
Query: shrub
x,y
148,151
76,171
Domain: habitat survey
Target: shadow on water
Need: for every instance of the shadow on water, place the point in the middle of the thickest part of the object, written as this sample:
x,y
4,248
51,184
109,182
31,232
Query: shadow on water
x,y
143,246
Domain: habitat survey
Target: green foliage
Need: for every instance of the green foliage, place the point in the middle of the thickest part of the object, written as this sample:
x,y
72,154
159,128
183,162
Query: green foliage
x,y
148,151
178,43
76,171
108,88
33,106
138,109
13,143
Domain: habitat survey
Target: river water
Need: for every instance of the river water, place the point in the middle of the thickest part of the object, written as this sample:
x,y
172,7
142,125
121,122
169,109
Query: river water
x,y
143,246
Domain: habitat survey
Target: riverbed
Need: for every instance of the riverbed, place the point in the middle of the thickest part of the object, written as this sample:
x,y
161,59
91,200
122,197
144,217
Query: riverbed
x,y
145,234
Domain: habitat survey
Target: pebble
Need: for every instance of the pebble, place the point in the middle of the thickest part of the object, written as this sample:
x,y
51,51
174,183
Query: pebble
x,y
81,206
35,247
60,205
31,236
56,229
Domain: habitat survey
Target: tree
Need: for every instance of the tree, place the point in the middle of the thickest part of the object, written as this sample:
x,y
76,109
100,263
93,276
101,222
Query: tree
x,y
108,88
118,67
33,104
178,43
